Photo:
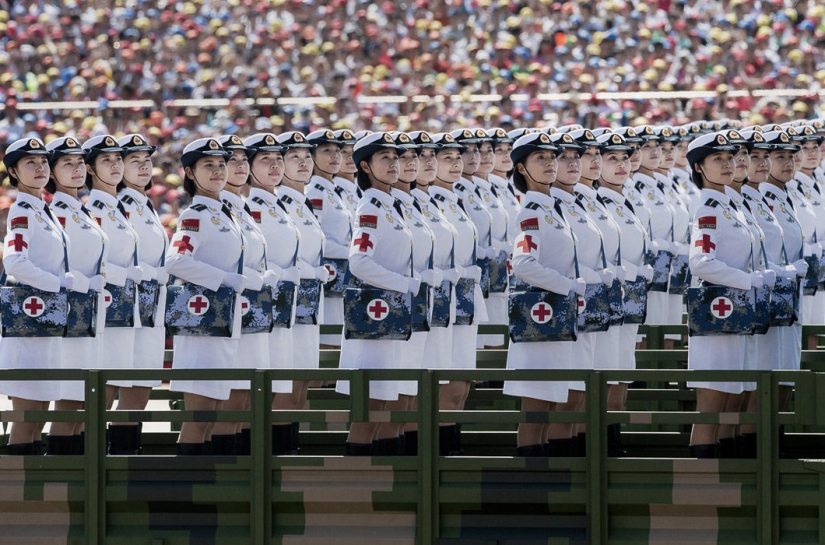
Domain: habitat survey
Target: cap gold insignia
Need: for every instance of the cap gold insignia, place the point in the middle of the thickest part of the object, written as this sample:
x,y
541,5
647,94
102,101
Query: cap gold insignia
x,y
269,141
110,141
297,137
783,137
467,133
757,137
213,144
721,140
448,138
71,143
616,139
551,131
808,131
424,137
589,135
481,133
346,135
404,138
792,132
137,140
329,135
734,135
683,131
631,133
667,133
34,144
500,133
387,138
237,141
567,139
544,139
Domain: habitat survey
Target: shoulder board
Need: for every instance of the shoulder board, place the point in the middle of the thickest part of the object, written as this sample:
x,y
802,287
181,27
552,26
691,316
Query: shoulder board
x,y
61,204
198,207
99,204
23,204
376,202
713,203
258,200
319,187
770,195
287,199
532,206
460,187
128,199
639,186
440,197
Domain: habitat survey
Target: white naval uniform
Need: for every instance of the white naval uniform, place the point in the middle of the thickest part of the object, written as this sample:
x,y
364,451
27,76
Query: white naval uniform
x,y
206,246
33,256
380,256
688,188
633,238
336,222
793,239
437,353
721,253
507,196
466,246
810,212
282,239
87,254
118,342
681,239
150,342
543,256
305,337
349,192
253,349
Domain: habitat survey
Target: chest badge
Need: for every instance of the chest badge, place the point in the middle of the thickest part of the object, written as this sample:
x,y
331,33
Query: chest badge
x,y
591,207
299,212
216,220
727,214
548,219
389,218
619,212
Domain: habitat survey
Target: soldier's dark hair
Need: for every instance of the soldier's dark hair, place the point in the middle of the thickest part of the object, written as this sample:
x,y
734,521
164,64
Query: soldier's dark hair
x,y
519,181
698,180
363,180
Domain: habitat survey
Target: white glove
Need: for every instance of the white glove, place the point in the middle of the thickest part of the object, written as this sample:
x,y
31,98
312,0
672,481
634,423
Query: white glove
x,y
270,278
234,281
578,285
291,275
801,267
646,272
620,272
253,280
473,272
80,282
678,248
97,283
452,275
161,275
413,285
135,273
756,280
66,280
653,247
768,278
305,270
607,276
431,277
788,272
491,252
813,249
322,274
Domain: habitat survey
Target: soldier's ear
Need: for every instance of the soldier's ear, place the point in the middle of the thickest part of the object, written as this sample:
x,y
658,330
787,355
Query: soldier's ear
x,y
365,166
520,168
187,172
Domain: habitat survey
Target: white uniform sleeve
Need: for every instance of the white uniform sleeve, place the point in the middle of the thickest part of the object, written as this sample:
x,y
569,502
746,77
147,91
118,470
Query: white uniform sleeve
x,y
526,265
181,260
361,262
16,258
703,262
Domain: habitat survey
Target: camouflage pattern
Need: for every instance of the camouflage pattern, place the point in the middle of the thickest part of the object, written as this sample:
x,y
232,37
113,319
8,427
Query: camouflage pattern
x,y
376,314
525,311
82,317
442,300
594,313
762,311
661,269
720,310
283,299
307,301
679,275
147,296
341,279
615,302
53,309
785,302
256,311
498,273
635,301
183,305
517,284
120,304
811,281
464,301
484,283
421,309
822,272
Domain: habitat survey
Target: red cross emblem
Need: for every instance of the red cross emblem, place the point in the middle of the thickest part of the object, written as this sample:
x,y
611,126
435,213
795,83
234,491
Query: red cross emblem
x,y
582,305
244,306
107,298
34,306
363,242
332,270
509,268
527,244
377,310
705,243
183,245
198,305
18,243
721,307
541,313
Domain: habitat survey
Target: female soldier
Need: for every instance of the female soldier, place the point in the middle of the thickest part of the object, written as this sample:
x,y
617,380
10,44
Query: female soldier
x,y
206,250
150,339
382,257
345,185
88,254
266,170
306,332
721,253
544,256
331,212
503,184
615,171
588,247
449,168
104,167
34,256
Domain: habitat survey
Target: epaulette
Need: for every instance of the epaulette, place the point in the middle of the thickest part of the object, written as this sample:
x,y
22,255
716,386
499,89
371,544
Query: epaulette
x,y
24,204
127,199
258,200
61,204
770,195
440,197
460,187
375,202
532,206
287,199
99,204
198,207
713,203
319,187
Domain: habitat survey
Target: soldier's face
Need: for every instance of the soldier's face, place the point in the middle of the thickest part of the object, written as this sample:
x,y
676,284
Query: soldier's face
x,y
615,167
384,166
503,162
347,164
137,168
210,174
471,158
782,167
668,159
650,154
427,166
267,169
409,166
718,168
108,168
298,165
591,163
680,154
327,159
486,160
635,157
540,167
811,155
238,168
743,163
33,171
570,167
450,165
760,166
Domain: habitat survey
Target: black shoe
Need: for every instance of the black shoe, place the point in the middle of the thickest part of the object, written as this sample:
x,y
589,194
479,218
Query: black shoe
x,y
703,451
223,445
357,449
727,447
446,439
531,451
411,443
385,447
746,445
295,446
189,449
246,442
456,448
580,445
560,448
614,441
124,440
39,448
59,445
82,442
21,449
77,445
281,439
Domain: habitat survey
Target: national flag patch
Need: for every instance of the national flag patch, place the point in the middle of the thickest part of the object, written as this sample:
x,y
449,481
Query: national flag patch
x,y
256,215
367,220
62,221
707,222
530,224
19,223
191,224
317,204
99,220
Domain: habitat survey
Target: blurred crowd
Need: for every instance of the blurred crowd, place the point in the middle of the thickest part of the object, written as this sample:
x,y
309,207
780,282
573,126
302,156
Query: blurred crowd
x,y
166,51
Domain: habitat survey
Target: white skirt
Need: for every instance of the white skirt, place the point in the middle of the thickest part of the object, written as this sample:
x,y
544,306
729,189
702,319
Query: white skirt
x,y
333,315
657,308
79,353
150,344
305,346
541,355
818,310
791,349
368,354
721,352
412,357
584,354
497,307
253,353
675,307
31,353
281,357
119,351
808,309
203,353
464,347
616,348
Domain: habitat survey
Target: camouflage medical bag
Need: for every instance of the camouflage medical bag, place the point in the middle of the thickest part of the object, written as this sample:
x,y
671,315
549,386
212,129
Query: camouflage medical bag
x,y
543,316
377,314
194,310
720,310
30,312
